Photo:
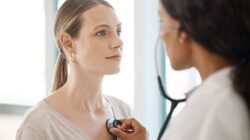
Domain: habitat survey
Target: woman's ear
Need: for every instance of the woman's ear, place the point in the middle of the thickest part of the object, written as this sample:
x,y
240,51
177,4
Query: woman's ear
x,y
67,43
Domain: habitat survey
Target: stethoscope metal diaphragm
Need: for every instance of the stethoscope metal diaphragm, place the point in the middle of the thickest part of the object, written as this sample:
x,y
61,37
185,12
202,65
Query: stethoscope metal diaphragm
x,y
111,123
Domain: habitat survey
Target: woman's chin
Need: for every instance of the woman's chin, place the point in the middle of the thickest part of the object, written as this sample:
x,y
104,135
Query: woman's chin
x,y
113,71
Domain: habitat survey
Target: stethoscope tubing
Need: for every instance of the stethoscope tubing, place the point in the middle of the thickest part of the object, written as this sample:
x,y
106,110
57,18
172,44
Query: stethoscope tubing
x,y
163,91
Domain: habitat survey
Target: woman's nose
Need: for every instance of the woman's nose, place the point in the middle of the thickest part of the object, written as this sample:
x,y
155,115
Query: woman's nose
x,y
117,43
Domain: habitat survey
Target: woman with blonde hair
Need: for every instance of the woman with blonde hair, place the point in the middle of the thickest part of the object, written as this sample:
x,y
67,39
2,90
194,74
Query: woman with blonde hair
x,y
87,33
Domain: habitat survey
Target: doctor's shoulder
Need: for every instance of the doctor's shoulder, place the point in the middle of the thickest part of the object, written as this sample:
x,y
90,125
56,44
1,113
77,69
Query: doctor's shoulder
x,y
119,106
227,118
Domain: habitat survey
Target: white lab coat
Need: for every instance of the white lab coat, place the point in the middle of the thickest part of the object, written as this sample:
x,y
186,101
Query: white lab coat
x,y
214,111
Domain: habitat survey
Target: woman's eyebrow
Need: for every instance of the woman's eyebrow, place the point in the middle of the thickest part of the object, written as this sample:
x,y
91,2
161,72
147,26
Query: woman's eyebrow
x,y
102,25
107,26
119,25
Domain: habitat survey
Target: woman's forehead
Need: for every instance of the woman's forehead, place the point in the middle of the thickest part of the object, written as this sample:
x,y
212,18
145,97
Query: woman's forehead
x,y
99,15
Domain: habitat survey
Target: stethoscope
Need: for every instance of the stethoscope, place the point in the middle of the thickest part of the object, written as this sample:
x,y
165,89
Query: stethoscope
x,y
163,91
174,102
114,123
110,123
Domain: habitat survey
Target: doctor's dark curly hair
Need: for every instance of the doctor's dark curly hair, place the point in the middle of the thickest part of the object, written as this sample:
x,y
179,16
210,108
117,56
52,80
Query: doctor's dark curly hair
x,y
223,28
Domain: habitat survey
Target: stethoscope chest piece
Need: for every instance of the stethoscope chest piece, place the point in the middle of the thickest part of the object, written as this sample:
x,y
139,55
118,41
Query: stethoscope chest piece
x,y
110,123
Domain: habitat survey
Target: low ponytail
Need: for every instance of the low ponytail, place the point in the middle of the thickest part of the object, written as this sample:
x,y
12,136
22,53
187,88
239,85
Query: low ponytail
x,y
61,72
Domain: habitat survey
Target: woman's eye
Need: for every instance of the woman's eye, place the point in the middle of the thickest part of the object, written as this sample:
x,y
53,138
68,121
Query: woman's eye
x,y
101,33
119,33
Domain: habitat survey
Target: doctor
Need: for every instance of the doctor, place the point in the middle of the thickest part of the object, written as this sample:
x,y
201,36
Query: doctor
x,y
214,37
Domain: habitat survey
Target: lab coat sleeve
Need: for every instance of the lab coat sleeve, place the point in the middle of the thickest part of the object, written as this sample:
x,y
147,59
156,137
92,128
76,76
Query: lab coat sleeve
x,y
28,133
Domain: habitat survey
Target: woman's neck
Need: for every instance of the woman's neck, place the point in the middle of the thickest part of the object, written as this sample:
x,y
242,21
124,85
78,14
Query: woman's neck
x,y
84,92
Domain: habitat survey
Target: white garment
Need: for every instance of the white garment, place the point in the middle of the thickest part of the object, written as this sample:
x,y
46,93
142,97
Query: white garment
x,y
214,111
45,123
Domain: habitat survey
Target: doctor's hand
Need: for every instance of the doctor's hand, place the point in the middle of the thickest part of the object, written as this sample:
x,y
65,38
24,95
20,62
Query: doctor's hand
x,y
130,129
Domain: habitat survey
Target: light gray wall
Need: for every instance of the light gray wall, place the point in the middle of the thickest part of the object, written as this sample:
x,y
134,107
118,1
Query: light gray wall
x,y
149,106
51,50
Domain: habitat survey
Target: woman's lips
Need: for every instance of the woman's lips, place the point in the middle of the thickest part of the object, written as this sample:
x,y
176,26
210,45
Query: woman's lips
x,y
115,57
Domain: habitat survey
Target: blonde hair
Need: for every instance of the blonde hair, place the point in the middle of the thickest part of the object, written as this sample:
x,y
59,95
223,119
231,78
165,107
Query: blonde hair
x,y
68,20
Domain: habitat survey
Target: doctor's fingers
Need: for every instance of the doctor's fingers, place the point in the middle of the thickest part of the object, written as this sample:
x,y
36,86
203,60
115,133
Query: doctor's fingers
x,y
131,129
136,135
119,133
130,124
